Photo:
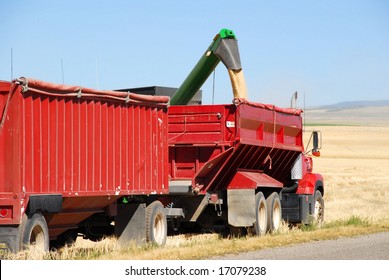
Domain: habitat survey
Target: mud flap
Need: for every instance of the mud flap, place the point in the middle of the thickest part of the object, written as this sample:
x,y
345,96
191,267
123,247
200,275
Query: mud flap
x,y
9,239
241,207
297,208
130,224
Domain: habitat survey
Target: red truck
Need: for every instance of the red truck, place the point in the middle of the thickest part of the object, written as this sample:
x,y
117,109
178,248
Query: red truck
x,y
81,162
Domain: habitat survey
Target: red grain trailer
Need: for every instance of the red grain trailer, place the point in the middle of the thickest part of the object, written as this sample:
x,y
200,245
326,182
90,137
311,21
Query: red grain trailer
x,y
68,153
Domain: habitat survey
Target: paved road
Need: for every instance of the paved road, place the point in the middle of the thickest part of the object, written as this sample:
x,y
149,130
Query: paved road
x,y
368,247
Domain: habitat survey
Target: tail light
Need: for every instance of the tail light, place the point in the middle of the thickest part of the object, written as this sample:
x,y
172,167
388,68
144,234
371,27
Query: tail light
x,y
5,212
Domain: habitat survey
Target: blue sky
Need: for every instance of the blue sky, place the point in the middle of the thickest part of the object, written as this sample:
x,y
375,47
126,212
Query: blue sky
x,y
331,51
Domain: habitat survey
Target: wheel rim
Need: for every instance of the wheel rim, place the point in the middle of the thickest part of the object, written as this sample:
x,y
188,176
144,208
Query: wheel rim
x,y
158,229
262,217
318,211
37,238
276,216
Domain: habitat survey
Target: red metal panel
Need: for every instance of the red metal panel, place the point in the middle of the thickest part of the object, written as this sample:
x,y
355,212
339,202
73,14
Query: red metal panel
x,y
102,144
252,180
271,128
205,124
258,137
307,185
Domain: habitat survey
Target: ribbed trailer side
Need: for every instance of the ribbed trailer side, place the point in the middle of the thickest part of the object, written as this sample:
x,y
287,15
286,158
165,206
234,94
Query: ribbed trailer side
x,y
82,147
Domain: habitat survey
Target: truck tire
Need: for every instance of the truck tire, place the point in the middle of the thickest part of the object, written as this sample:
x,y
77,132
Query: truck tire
x,y
274,212
260,225
34,232
318,214
156,224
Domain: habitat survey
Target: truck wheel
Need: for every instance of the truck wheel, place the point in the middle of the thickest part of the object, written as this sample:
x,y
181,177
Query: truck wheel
x,y
34,232
260,225
156,224
273,204
318,214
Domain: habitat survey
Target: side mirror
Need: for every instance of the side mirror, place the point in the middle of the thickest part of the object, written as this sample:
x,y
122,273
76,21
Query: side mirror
x,y
315,136
316,143
316,139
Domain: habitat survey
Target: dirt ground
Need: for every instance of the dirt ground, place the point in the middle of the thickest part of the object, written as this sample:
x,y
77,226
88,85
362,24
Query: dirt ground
x,y
355,164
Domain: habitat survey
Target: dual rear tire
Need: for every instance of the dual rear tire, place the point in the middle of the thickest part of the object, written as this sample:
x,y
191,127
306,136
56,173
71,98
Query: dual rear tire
x,y
274,212
268,213
271,208
260,225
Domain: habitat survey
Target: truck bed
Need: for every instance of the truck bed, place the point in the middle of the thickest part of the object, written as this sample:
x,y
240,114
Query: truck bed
x,y
209,143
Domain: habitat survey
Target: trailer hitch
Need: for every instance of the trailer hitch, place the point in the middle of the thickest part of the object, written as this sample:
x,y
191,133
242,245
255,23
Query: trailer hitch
x,y
219,211
215,200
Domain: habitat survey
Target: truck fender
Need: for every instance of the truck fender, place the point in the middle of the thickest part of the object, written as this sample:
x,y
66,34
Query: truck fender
x,y
310,183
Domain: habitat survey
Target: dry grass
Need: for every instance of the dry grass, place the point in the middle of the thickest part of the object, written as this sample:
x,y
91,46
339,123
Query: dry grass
x,y
355,166
206,246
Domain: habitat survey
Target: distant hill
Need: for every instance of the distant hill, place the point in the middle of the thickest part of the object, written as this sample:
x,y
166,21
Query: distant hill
x,y
356,104
350,113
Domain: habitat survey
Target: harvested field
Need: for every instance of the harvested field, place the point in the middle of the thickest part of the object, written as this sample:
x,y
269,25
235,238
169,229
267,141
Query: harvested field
x,y
355,164
362,116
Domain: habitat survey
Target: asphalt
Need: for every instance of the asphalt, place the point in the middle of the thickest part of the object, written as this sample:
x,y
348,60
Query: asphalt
x,y
367,247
